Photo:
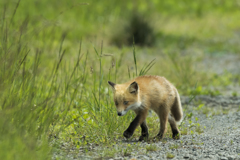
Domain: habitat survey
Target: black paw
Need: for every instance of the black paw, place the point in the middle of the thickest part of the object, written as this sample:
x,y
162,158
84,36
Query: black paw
x,y
127,134
143,137
158,137
176,134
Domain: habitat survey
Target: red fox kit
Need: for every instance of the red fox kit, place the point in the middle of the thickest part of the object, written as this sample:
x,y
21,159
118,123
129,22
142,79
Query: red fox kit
x,y
144,93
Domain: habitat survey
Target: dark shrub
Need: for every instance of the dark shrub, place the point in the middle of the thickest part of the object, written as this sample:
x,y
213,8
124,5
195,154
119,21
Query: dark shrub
x,y
137,28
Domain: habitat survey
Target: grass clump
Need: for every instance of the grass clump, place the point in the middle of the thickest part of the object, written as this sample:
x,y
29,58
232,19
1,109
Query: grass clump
x,y
127,151
174,146
234,94
192,127
151,147
109,152
170,155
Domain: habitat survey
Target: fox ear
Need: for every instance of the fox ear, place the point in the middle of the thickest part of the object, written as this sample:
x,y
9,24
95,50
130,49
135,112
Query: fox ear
x,y
111,84
133,87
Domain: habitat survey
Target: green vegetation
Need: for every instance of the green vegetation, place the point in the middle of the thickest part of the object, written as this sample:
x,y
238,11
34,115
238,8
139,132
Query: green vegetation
x,y
128,150
211,111
192,127
170,156
151,147
56,57
174,146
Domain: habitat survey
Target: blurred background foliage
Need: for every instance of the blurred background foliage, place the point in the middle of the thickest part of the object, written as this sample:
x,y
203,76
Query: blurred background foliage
x,y
56,56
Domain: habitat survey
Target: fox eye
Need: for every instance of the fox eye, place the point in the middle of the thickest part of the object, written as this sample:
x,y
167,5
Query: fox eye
x,y
125,102
116,103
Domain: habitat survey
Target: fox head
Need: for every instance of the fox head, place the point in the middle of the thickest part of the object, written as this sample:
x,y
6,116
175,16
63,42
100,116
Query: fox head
x,y
126,97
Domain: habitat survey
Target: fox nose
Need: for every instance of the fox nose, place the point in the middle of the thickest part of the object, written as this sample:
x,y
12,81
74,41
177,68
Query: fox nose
x,y
119,113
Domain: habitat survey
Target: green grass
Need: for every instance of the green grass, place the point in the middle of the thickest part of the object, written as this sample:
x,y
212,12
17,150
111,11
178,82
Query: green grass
x,y
170,156
151,147
56,58
174,146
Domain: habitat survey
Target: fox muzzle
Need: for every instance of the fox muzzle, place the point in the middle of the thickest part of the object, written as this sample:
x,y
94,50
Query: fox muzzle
x,y
122,113
119,113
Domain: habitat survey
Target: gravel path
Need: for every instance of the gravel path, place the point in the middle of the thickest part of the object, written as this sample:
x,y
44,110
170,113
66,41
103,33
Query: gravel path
x,y
220,63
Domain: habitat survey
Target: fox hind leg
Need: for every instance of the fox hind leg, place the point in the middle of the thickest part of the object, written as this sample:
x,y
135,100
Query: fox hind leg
x,y
175,116
163,116
173,124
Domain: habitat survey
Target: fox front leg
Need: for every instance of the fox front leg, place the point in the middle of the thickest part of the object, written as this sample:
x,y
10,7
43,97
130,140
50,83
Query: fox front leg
x,y
139,119
133,125
144,135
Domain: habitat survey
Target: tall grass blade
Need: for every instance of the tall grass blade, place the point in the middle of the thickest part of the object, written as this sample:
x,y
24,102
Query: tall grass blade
x,y
14,12
134,56
129,73
146,68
